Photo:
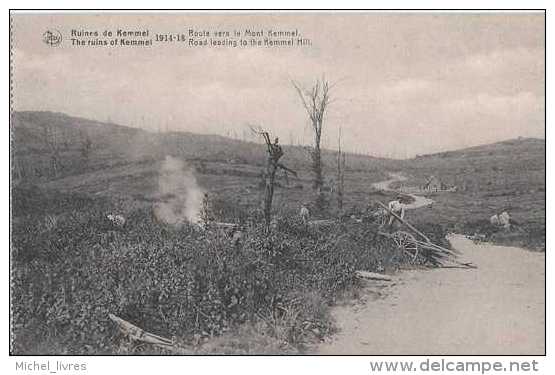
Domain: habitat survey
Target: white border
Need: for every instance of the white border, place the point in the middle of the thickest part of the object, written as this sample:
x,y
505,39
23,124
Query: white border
x,y
256,365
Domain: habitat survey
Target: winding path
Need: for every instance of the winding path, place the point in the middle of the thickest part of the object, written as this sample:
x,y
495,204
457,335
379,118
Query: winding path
x,y
419,201
498,308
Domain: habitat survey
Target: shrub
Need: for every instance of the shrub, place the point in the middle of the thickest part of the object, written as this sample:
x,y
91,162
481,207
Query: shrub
x,y
184,282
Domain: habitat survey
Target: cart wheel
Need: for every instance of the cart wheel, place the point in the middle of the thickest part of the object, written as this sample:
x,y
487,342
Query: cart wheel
x,y
407,243
380,217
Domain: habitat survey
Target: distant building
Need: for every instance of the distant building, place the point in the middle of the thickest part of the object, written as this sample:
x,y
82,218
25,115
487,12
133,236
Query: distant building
x,y
433,184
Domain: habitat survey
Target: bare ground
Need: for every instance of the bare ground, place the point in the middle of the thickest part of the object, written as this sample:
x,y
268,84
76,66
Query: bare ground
x,y
498,308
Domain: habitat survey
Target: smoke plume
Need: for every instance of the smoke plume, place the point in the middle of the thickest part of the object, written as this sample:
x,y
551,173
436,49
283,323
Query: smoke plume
x,y
180,194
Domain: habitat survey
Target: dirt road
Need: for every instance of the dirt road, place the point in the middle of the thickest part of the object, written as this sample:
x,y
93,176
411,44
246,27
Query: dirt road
x,y
498,308
418,200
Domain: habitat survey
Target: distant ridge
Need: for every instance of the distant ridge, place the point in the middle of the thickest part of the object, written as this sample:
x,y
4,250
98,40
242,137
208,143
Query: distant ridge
x,y
33,119
117,144
513,145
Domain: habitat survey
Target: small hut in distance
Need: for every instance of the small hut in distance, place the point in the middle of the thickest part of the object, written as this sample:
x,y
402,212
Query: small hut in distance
x,y
433,184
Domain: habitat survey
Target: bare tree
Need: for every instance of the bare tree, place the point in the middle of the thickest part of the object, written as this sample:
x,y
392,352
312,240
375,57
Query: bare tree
x,y
315,101
275,152
340,173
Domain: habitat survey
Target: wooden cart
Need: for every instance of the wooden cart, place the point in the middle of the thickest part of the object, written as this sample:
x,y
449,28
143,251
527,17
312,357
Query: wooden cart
x,y
413,242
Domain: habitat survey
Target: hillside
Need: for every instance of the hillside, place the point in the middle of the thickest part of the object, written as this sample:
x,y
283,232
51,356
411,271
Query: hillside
x,y
525,152
35,134
497,148
512,164
125,162
504,176
50,150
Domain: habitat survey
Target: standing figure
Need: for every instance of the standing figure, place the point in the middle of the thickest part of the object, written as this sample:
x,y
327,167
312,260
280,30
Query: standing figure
x,y
398,208
505,220
304,213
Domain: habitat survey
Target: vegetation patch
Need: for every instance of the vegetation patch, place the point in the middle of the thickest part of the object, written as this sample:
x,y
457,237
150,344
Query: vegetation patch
x,y
71,269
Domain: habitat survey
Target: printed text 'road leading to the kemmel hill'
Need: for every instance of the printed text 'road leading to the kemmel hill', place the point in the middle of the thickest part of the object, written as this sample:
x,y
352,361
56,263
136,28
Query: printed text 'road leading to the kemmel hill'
x,y
189,37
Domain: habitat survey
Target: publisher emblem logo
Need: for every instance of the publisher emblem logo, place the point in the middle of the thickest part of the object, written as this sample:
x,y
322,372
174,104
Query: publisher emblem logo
x,y
52,37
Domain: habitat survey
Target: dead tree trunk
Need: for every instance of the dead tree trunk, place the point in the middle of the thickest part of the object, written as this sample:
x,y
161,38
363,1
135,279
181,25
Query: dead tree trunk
x,y
317,167
340,173
315,102
275,152
271,169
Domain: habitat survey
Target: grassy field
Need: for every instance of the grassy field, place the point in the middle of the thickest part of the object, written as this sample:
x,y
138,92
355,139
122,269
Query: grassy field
x,y
506,176
213,293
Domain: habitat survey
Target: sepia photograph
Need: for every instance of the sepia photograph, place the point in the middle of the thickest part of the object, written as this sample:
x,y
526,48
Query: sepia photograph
x,y
308,183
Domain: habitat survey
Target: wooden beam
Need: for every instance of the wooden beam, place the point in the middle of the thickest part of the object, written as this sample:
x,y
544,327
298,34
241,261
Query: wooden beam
x,y
404,221
372,276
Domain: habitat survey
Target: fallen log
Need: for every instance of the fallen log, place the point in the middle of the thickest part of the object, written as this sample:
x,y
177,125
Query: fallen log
x,y
138,334
464,265
437,248
372,276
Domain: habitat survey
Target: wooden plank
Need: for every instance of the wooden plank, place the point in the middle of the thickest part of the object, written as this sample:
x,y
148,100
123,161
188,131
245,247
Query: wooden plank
x,y
372,276
428,244
139,334
404,222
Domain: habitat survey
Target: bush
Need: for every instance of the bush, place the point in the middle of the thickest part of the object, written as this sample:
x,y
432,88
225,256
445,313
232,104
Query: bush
x,y
184,282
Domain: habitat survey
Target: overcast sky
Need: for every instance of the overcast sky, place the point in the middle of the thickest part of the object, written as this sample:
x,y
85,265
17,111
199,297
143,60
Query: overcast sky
x,y
406,83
